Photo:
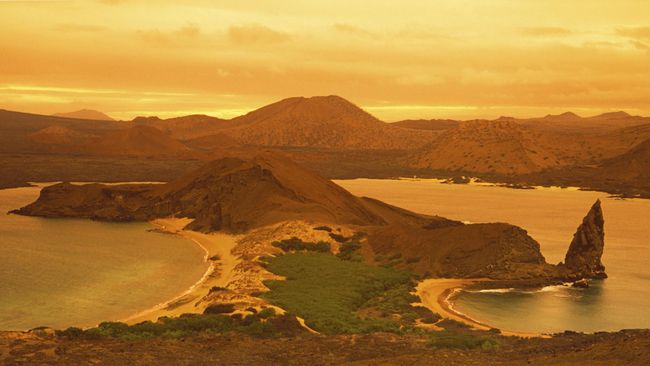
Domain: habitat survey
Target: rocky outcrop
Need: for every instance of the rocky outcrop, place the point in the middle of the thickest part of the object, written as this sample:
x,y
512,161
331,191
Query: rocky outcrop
x,y
230,194
583,259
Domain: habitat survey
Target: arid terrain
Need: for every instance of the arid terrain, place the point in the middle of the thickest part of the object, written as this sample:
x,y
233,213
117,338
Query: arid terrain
x,y
338,140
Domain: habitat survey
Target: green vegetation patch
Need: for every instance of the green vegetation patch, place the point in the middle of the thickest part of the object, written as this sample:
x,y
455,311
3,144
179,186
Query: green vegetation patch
x,y
327,291
263,324
350,251
295,244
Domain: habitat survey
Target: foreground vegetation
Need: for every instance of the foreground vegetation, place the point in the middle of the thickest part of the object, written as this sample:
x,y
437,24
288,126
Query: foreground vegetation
x,y
262,324
342,296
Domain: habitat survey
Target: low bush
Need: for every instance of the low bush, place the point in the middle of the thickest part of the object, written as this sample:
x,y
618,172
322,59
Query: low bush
x,y
259,325
219,309
324,228
446,339
348,250
295,244
338,237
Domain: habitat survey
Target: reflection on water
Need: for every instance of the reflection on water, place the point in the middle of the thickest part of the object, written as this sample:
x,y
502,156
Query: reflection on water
x,y
551,216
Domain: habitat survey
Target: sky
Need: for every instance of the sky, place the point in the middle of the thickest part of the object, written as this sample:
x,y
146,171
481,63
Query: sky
x,y
396,59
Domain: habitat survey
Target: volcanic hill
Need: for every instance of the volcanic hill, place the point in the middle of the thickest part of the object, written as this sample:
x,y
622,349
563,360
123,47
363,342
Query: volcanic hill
x,y
237,195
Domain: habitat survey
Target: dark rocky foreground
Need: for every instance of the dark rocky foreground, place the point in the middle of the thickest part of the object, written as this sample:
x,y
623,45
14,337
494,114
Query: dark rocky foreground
x,y
621,348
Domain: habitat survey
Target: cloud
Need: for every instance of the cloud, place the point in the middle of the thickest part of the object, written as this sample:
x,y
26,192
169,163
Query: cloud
x,y
179,36
640,33
640,45
70,27
112,2
256,34
352,29
546,31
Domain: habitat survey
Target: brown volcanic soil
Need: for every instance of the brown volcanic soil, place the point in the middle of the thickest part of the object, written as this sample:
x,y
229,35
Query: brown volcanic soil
x,y
58,135
632,166
602,349
501,147
137,141
186,127
627,174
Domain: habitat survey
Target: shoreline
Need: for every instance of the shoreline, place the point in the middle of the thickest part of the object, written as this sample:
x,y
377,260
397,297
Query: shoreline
x,y
438,294
217,274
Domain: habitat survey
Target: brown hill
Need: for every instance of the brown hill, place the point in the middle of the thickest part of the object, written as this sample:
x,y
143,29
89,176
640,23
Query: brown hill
x,y
499,147
137,141
58,135
320,122
186,127
631,166
227,194
16,128
86,114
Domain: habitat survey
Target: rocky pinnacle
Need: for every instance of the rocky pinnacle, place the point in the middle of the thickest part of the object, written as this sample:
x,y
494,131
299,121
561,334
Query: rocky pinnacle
x,y
583,259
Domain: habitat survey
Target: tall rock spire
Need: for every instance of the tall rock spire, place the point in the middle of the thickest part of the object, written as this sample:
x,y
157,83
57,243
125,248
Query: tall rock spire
x,y
583,259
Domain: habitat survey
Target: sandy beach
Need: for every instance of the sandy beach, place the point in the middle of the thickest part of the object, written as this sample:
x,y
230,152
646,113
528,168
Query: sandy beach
x,y
438,294
219,272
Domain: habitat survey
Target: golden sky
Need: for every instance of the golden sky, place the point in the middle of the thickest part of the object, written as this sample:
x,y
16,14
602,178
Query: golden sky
x,y
397,59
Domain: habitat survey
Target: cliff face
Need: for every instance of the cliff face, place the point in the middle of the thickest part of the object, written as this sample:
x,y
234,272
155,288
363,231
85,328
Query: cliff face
x,y
583,259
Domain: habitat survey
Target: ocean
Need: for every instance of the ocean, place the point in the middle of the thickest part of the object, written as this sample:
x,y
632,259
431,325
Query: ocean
x,y
72,272
551,216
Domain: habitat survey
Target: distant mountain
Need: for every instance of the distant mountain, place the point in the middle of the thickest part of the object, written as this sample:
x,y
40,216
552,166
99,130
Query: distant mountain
x,y
186,127
613,115
428,124
566,116
571,122
85,114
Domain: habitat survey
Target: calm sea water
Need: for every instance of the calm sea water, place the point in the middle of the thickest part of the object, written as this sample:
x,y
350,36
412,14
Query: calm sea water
x,y
63,272
551,216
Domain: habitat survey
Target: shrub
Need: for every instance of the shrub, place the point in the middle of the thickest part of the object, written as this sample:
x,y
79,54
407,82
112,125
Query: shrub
x,y
217,289
295,244
446,339
347,250
266,313
452,324
324,228
70,333
219,309
339,238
